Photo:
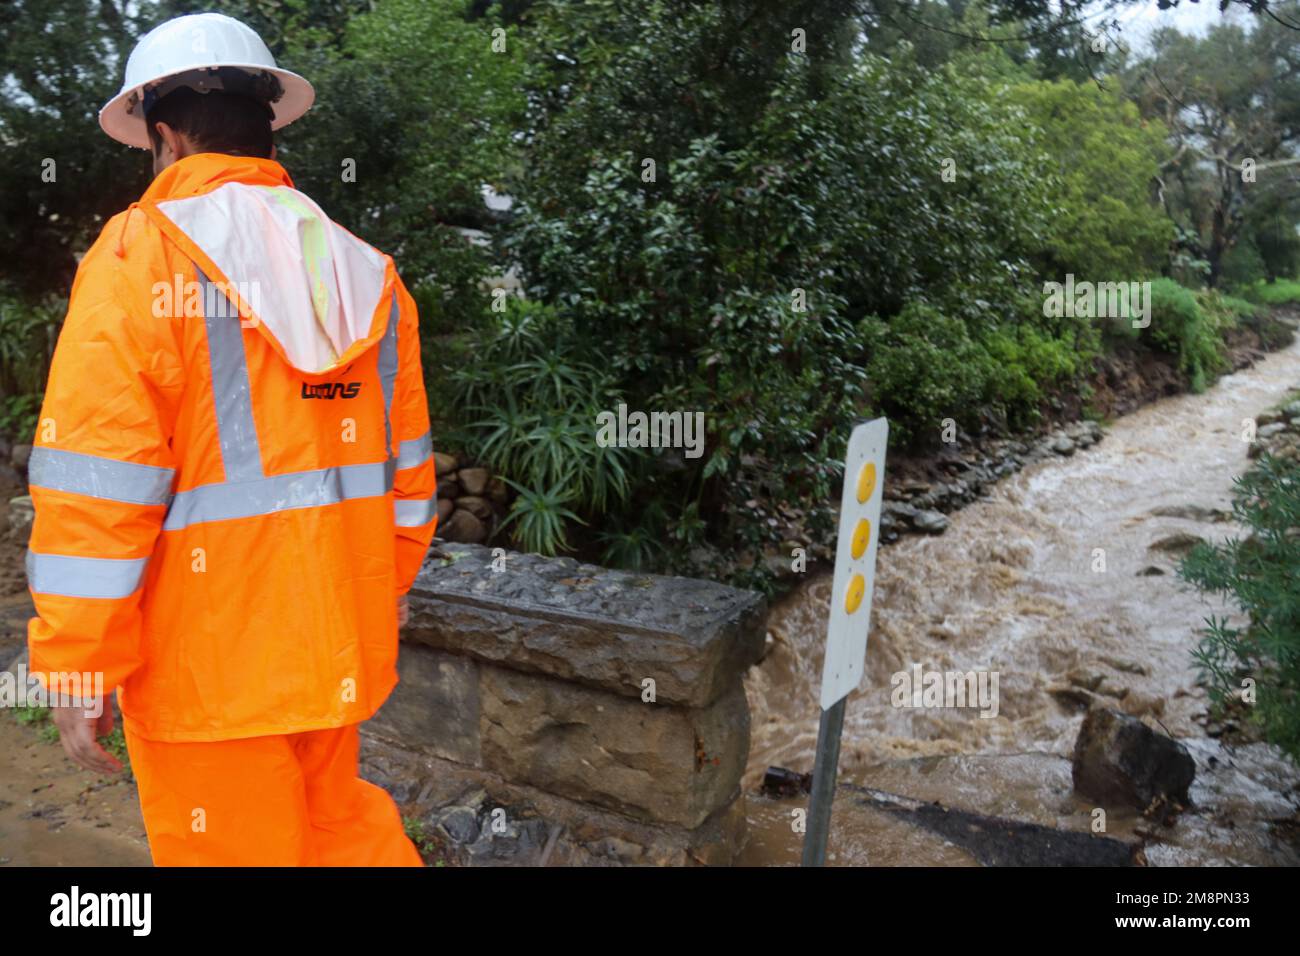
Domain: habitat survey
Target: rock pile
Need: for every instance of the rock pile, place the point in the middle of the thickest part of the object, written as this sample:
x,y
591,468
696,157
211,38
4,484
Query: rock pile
x,y
1278,432
471,500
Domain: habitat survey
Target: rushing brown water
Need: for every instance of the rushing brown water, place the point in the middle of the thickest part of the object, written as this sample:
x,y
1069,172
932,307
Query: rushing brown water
x,y
1015,587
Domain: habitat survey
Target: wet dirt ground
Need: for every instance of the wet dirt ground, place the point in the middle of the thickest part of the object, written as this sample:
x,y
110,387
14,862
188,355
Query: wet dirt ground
x,y
52,813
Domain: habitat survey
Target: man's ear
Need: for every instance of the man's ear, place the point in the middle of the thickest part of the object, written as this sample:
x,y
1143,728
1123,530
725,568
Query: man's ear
x,y
273,150
172,141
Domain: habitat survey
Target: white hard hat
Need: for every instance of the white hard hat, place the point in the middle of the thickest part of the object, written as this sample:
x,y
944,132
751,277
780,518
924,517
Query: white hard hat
x,y
191,49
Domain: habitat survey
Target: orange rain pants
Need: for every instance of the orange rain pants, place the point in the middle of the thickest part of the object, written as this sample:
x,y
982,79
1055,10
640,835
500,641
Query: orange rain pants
x,y
279,800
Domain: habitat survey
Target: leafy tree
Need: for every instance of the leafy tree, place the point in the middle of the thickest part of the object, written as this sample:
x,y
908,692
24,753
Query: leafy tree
x,y
1231,101
934,187
63,178
1108,226
1274,235
700,283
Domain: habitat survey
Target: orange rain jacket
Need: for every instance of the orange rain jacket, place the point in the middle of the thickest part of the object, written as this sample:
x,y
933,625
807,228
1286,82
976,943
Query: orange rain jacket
x,y
232,473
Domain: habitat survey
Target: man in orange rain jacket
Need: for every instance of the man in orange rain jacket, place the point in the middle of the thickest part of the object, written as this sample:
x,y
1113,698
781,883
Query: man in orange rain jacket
x,y
233,477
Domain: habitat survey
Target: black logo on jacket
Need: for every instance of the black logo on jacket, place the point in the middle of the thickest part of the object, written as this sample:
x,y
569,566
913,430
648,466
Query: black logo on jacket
x,y
331,390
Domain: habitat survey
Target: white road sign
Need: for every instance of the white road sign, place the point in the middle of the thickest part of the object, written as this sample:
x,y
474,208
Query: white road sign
x,y
855,560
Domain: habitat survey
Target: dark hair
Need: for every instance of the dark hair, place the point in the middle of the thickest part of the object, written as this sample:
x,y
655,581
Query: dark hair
x,y
216,121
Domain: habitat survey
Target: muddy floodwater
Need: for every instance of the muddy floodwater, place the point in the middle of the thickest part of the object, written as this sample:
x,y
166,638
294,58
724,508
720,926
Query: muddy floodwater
x,y
1017,586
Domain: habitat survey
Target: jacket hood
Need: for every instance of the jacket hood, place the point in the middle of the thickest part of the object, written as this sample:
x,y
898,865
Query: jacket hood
x,y
318,294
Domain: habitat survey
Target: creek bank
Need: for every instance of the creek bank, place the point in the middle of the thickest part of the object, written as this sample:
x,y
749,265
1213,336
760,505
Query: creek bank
x,y
1278,430
921,507
922,492
923,489
1119,763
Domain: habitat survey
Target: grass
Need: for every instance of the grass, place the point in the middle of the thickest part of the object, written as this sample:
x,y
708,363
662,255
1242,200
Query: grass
x,y
418,833
40,720
115,744
1281,292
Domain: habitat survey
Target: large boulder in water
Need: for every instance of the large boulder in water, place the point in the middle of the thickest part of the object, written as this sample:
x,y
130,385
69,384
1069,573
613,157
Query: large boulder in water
x,y
1120,761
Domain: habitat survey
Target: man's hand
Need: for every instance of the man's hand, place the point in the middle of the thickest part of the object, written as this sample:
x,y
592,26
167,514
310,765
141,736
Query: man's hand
x,y
77,732
403,611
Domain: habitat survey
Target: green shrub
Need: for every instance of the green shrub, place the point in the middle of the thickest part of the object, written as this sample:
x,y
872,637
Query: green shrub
x,y
924,368
1261,573
1024,364
526,405
1180,327
18,415
27,335
1229,309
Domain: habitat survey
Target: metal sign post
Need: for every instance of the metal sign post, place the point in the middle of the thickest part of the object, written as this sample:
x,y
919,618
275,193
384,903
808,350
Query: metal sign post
x,y
846,631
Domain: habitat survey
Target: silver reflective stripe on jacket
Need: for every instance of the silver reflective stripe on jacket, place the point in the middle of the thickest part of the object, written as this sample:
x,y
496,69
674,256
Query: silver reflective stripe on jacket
x,y
414,451
388,372
412,513
231,392
407,513
300,489
107,478
84,577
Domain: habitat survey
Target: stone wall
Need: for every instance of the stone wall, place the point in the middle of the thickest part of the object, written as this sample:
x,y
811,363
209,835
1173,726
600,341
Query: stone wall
x,y
598,712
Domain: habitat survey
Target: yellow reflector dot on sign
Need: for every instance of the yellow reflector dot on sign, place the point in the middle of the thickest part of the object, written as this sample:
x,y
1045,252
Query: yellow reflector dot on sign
x,y
861,538
866,481
853,596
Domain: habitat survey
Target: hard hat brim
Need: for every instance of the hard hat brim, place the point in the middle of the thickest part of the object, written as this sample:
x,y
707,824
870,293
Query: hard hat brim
x,y
129,128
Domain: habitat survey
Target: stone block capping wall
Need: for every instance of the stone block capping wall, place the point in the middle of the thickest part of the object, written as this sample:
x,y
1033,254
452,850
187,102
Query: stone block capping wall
x,y
558,710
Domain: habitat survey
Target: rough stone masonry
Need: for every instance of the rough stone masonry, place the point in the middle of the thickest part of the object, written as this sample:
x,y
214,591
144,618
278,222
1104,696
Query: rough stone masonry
x,y
607,704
